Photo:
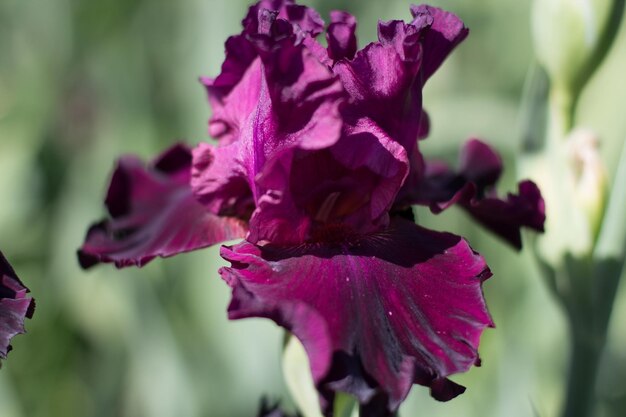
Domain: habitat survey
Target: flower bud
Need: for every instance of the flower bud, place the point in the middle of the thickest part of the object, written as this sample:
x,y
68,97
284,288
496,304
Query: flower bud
x,y
301,387
574,183
589,175
572,36
298,378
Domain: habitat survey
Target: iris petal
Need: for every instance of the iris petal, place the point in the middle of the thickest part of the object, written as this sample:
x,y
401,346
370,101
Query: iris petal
x,y
154,213
15,306
341,36
375,313
352,183
385,79
446,32
472,187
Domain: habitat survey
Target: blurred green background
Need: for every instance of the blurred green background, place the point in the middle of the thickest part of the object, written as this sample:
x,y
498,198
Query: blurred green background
x,y
82,82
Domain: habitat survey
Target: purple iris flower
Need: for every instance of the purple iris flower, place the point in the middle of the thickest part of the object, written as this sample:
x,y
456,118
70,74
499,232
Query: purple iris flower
x,y
317,165
15,306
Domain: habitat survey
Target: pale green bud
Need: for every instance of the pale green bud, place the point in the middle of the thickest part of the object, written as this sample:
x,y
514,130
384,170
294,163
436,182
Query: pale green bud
x,y
298,378
299,381
574,183
571,38
589,175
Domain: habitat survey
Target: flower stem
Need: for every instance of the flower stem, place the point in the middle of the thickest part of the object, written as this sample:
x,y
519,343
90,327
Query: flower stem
x,y
588,305
562,106
583,368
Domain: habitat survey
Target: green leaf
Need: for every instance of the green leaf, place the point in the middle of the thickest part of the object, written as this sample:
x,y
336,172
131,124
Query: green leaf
x,y
612,240
297,373
345,406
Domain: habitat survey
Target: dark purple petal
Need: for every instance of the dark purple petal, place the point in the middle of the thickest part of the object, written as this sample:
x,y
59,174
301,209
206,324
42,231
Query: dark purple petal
x,y
505,217
15,306
297,108
341,36
385,79
438,185
403,38
446,32
154,213
379,82
352,184
413,188
219,181
480,163
375,313
234,92
278,18
302,19
473,188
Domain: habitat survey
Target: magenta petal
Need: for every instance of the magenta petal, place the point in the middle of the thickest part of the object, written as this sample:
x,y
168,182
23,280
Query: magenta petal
x,y
383,82
378,83
473,188
446,32
505,217
154,213
303,19
480,163
15,306
341,36
297,107
366,146
233,95
404,38
299,103
234,92
439,186
219,181
352,183
375,313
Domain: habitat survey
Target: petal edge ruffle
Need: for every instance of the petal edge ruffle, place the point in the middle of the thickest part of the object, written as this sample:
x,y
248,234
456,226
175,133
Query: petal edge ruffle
x,y
15,306
153,213
376,313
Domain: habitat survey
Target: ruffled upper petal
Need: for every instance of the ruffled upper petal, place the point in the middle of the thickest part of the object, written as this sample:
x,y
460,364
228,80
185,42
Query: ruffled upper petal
x,y
15,306
297,108
375,313
233,95
341,36
351,184
154,213
446,32
385,79
380,79
301,18
233,92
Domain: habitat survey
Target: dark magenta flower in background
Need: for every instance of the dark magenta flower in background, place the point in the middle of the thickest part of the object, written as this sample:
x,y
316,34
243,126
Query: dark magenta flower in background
x,y
15,306
317,164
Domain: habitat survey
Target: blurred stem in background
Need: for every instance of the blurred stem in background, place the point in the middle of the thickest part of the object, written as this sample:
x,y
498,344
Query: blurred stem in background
x,y
582,253
297,373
